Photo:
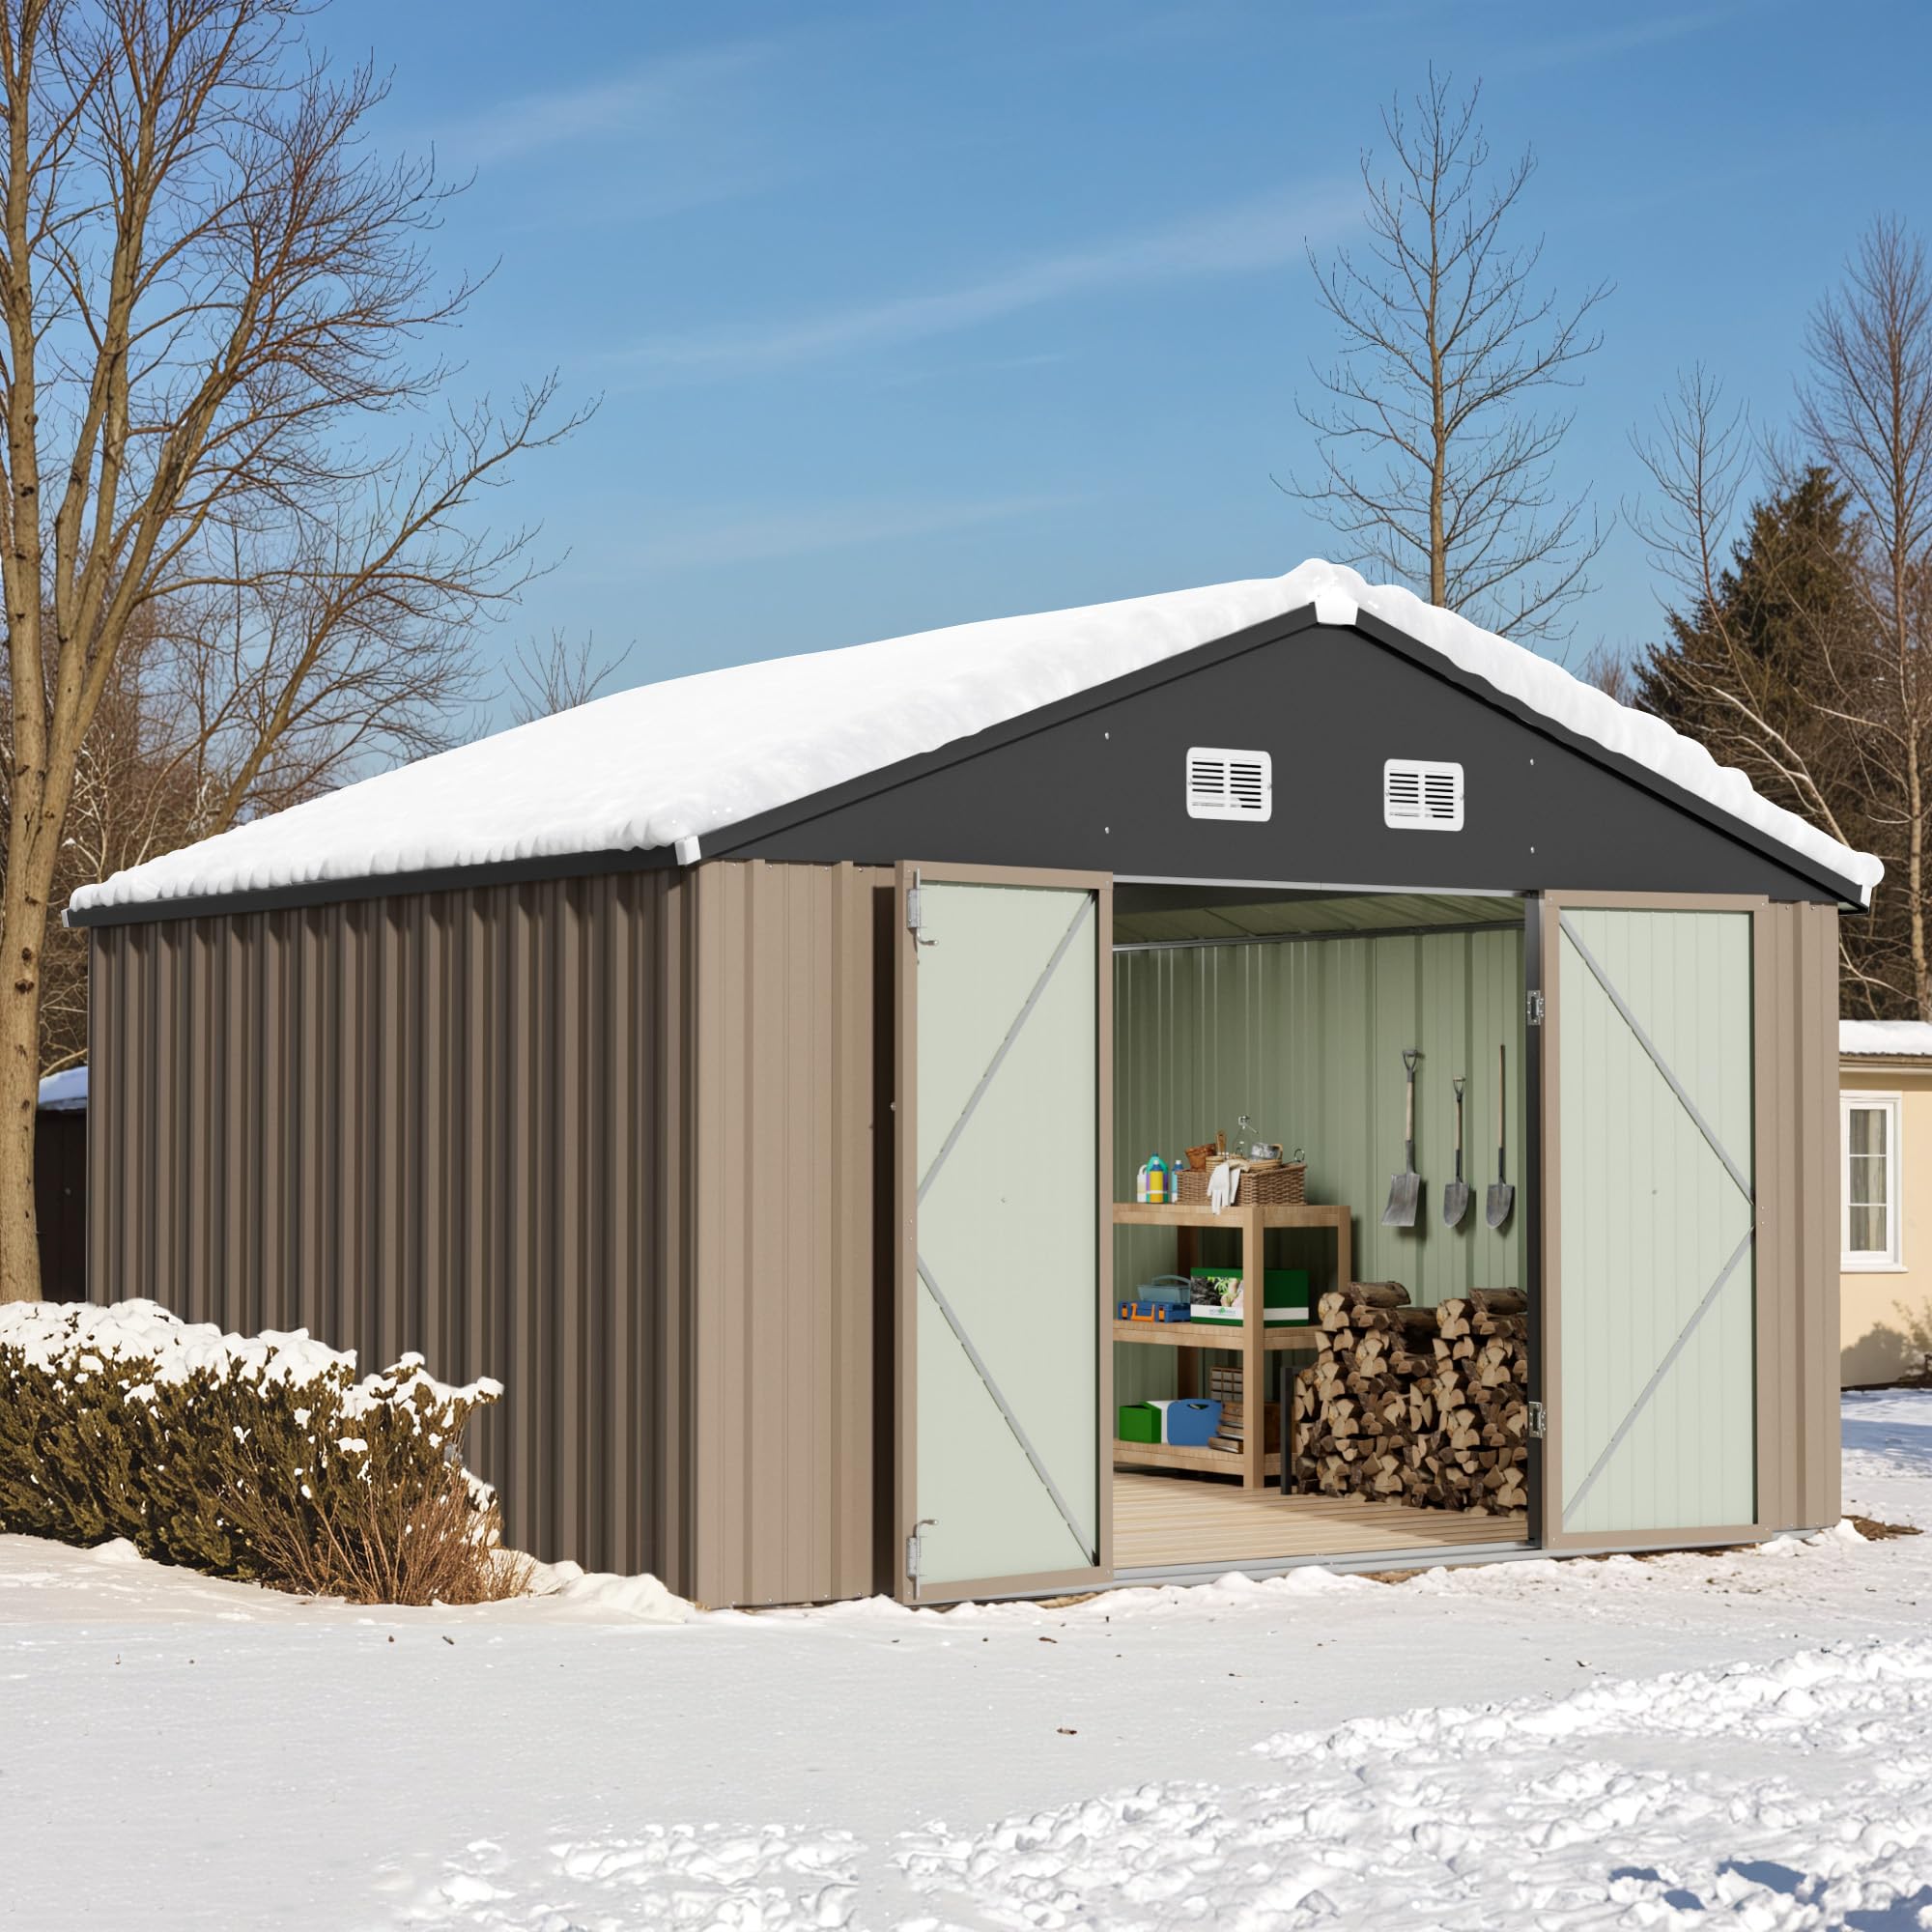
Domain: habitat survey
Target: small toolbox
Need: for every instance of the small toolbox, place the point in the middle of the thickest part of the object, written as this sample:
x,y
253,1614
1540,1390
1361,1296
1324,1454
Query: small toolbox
x,y
1168,1297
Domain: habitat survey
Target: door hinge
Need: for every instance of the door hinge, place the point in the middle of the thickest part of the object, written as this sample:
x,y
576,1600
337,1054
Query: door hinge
x,y
916,914
1533,1013
1539,1420
916,1548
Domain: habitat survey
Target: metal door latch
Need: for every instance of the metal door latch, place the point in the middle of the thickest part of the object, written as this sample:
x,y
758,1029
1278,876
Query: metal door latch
x,y
916,1546
1534,1009
1539,1420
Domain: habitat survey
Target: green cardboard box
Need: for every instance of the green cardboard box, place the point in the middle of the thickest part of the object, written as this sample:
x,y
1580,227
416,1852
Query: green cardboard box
x,y
1140,1422
1284,1299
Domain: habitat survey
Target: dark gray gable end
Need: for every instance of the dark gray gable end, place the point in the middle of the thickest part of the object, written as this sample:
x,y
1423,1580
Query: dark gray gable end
x,y
1094,782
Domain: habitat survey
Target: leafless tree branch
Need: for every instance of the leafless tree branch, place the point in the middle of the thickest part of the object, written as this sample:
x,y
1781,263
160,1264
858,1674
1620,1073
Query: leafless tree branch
x,y
558,676
1429,461
239,542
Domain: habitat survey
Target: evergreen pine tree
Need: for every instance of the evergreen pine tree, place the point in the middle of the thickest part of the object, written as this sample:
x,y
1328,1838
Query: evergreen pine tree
x,y
1739,671
1775,672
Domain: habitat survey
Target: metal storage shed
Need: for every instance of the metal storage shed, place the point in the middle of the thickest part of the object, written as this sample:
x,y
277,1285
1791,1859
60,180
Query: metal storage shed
x,y
745,1071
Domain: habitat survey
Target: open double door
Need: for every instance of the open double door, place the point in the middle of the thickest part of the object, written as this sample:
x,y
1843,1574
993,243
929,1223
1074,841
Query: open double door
x,y
1642,1209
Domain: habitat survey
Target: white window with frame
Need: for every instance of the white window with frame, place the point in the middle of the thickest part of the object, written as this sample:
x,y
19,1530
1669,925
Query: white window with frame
x,y
1868,1181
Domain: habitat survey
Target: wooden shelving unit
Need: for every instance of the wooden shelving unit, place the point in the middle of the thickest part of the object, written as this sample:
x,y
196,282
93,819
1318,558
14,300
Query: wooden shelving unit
x,y
1165,1456
1253,1341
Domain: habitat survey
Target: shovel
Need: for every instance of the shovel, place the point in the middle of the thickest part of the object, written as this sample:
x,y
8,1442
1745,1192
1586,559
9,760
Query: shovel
x,y
1502,1195
1406,1188
1455,1196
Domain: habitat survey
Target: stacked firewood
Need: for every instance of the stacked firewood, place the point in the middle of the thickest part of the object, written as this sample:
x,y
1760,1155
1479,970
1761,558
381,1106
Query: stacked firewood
x,y
1422,1405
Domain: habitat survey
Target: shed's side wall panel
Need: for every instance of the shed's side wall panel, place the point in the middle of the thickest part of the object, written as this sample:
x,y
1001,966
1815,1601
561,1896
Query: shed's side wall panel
x,y
609,1140
787,1131
1797,1007
434,1123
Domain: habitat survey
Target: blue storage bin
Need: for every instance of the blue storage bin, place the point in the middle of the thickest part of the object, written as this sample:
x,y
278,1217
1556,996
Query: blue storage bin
x,y
1190,1425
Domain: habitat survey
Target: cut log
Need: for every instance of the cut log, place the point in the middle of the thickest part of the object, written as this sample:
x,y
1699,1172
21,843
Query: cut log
x,y
1500,1300
1378,1293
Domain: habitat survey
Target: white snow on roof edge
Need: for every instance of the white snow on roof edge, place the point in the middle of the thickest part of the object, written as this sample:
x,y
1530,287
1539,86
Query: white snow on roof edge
x,y
1879,1040
65,1092
641,769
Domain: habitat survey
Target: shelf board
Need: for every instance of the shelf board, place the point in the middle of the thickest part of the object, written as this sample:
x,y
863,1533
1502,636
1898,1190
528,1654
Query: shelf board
x,y
1180,1214
1167,1456
1211,1335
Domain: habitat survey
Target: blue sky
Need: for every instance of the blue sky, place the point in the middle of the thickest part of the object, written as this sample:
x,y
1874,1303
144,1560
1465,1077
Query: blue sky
x,y
909,314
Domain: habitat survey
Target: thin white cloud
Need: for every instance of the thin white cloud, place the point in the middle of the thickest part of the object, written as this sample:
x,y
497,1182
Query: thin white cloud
x,y
1258,233
652,100
759,536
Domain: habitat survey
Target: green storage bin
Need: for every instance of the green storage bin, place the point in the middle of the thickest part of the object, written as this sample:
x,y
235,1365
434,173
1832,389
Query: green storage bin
x,y
1283,1290
1140,1422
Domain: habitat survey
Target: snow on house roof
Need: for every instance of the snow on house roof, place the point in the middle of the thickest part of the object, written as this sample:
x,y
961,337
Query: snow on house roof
x,y
642,769
1885,1039
65,1092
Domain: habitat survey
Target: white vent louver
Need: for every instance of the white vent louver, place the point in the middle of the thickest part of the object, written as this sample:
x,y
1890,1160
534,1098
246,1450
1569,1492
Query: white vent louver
x,y
1228,785
1422,797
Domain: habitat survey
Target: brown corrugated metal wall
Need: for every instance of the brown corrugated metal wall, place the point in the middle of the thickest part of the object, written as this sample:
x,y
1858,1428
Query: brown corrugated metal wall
x,y
785,1177
1795,997
464,1122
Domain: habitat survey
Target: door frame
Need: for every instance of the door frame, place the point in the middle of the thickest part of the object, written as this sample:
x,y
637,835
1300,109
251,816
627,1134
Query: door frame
x,y
905,1222
1548,1211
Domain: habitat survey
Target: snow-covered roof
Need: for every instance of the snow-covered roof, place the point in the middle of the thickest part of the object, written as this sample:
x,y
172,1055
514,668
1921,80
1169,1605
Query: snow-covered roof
x,y
643,769
65,1092
1885,1039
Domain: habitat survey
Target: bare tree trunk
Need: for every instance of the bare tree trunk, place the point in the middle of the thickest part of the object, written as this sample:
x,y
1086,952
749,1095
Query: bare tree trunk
x,y
1915,883
33,848
1439,446
23,916
23,902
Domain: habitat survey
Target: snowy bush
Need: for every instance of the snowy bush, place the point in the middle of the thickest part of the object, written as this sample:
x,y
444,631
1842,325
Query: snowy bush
x,y
257,1457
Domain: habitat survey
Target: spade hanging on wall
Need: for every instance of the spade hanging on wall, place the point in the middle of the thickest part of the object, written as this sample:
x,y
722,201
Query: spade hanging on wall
x,y
1405,1199
1455,1196
1502,1195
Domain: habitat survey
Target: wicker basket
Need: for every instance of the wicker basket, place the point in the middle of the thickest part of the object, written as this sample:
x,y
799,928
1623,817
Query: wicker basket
x,y
1285,1185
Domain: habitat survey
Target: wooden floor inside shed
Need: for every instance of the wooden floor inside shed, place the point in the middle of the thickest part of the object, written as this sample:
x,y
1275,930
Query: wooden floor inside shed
x,y
1172,1522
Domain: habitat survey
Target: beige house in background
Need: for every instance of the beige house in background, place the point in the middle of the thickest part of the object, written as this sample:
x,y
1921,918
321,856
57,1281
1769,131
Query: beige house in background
x,y
1885,1197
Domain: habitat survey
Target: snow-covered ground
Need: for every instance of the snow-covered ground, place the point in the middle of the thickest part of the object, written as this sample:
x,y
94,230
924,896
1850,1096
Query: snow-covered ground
x,y
1738,1740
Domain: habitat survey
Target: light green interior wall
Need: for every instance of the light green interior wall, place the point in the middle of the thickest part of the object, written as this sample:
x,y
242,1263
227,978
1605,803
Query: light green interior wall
x,y
1306,1037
